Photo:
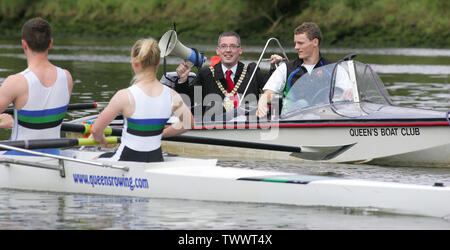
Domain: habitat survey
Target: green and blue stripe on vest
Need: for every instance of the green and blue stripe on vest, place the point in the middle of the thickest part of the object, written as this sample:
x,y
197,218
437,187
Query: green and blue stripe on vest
x,y
146,127
41,119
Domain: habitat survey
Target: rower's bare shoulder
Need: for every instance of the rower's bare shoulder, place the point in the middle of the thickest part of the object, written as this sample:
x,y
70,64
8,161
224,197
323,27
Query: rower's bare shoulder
x,y
69,79
69,76
14,88
16,81
176,98
15,78
121,97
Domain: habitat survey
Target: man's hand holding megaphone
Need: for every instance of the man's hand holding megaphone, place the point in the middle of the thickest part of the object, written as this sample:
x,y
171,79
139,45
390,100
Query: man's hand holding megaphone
x,y
183,71
185,67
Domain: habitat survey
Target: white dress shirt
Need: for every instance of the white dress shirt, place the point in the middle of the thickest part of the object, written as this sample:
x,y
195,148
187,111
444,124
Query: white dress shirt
x,y
233,70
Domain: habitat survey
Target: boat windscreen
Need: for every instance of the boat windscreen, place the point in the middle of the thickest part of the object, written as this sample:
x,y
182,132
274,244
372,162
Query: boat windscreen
x,y
370,86
313,89
346,79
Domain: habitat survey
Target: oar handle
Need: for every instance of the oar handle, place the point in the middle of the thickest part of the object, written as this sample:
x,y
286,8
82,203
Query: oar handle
x,y
74,106
58,143
92,142
86,129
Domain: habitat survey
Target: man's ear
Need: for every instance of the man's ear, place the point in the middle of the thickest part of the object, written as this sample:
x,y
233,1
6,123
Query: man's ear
x,y
24,45
315,42
51,44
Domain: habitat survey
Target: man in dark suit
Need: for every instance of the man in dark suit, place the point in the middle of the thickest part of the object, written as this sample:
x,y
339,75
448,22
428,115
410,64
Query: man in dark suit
x,y
219,88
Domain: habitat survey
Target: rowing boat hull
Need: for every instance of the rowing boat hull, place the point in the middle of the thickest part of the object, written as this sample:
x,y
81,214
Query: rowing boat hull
x,y
203,180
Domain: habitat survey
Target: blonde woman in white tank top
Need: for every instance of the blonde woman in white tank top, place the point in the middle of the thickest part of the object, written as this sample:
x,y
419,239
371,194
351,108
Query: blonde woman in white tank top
x,y
146,107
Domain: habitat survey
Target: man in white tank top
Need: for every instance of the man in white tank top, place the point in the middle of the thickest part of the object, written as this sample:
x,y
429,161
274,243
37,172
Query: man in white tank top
x,y
40,93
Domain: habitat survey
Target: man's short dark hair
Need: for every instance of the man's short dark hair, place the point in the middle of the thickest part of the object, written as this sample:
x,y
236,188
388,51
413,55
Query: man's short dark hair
x,y
229,33
37,33
311,30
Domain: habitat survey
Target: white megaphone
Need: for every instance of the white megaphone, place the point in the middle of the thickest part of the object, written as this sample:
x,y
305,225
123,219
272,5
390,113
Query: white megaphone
x,y
169,45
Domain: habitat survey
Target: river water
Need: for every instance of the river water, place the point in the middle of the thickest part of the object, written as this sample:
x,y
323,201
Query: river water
x,y
414,77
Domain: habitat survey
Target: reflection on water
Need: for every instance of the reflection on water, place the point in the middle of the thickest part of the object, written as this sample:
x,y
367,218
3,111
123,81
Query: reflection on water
x,y
39,210
411,69
412,94
79,57
390,51
414,77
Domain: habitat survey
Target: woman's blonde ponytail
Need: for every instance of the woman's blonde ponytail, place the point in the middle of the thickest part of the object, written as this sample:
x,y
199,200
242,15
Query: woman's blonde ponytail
x,y
146,51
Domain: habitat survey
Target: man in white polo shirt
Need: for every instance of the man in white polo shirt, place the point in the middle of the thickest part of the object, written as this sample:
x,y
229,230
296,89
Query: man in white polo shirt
x,y
307,38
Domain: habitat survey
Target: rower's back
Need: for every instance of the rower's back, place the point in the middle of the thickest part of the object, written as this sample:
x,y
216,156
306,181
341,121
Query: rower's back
x,y
40,93
45,108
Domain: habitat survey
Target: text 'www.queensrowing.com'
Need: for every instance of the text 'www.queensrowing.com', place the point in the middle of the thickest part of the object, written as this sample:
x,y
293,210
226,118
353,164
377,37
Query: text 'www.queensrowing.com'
x,y
112,181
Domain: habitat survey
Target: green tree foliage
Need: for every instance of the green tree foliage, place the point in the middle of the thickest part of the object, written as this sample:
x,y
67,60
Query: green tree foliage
x,y
398,23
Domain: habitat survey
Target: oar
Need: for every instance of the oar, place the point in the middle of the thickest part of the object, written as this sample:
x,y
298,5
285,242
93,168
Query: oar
x,y
57,143
318,153
74,106
304,152
233,143
85,129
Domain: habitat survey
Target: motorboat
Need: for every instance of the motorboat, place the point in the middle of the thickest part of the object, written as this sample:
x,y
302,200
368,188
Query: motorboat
x,y
339,112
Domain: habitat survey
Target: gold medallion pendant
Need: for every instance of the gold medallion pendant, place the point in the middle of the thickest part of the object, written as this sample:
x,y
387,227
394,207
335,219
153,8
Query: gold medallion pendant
x,y
228,102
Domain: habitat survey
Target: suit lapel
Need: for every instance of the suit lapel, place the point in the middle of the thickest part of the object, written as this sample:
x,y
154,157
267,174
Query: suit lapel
x,y
218,73
219,76
239,69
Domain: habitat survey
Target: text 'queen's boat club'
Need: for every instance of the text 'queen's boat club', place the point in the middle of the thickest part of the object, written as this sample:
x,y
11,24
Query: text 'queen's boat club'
x,y
384,131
